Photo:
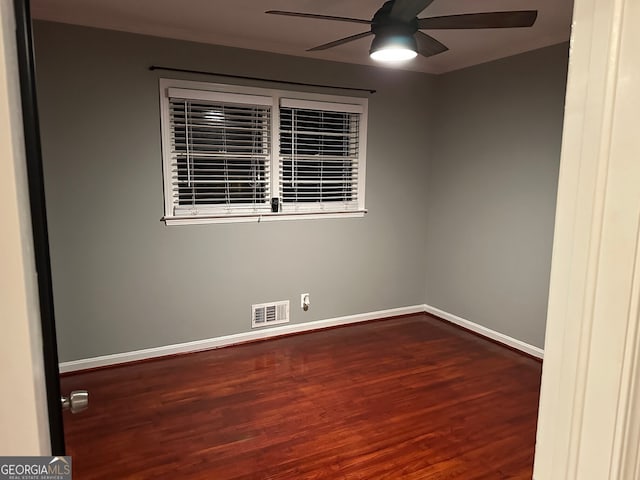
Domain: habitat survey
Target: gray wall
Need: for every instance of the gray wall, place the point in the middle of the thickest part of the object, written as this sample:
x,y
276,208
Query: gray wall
x,y
125,281
461,186
492,189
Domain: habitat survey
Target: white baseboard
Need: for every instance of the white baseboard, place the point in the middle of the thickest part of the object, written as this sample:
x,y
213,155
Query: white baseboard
x,y
486,332
206,344
262,334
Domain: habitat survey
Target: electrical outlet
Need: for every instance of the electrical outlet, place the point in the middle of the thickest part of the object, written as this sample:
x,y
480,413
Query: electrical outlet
x,y
304,301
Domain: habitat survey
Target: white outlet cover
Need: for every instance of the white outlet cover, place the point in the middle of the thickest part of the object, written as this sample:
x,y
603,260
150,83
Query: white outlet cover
x,y
302,296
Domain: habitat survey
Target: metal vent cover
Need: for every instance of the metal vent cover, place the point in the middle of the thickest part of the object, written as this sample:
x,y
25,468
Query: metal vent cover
x,y
273,313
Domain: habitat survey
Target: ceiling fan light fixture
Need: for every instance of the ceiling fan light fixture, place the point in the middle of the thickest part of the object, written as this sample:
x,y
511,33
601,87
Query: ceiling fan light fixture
x,y
393,48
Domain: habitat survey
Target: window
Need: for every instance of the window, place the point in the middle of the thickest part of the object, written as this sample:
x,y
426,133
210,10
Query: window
x,y
246,154
319,150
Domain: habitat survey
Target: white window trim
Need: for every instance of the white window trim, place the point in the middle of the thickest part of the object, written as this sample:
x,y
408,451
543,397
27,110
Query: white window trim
x,y
275,98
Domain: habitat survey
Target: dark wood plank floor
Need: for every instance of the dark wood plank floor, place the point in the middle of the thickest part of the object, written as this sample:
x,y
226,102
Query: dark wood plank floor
x,y
406,398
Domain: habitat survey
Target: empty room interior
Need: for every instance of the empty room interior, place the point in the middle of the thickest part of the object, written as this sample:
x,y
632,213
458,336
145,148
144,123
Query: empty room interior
x,y
270,262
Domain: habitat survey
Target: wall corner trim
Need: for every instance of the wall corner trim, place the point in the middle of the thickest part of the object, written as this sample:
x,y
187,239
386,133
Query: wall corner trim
x,y
486,332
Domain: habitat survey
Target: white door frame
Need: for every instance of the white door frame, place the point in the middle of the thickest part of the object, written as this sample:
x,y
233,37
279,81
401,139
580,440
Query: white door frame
x,y
589,421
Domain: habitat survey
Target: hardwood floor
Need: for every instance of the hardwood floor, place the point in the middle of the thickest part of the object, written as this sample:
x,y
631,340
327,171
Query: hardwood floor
x,y
406,398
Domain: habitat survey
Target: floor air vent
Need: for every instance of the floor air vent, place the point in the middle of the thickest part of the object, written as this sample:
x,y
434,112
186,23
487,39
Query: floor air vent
x,y
269,314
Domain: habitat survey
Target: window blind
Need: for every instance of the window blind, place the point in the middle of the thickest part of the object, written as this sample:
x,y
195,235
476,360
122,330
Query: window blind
x,y
220,153
233,153
319,155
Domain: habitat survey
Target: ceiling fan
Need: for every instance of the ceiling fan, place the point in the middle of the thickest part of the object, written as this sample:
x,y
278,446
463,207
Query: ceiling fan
x,y
397,30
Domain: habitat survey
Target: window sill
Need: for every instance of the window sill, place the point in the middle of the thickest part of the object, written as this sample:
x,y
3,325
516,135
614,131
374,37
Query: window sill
x,y
258,218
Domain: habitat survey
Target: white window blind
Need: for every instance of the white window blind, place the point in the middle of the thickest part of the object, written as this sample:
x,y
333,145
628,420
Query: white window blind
x,y
220,153
237,154
319,156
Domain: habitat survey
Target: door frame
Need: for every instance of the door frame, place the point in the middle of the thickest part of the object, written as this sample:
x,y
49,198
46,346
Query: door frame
x,y
35,177
589,418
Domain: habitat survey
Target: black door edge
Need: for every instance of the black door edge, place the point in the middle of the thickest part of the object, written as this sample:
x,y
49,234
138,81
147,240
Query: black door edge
x,y
26,64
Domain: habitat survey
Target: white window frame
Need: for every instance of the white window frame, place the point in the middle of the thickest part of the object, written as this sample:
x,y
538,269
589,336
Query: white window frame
x,y
275,97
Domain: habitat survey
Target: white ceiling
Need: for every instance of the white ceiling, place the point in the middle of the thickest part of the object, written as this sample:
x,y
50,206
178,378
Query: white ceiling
x,y
243,23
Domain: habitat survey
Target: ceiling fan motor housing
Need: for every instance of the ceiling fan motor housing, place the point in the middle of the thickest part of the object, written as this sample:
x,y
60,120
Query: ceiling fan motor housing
x,y
391,31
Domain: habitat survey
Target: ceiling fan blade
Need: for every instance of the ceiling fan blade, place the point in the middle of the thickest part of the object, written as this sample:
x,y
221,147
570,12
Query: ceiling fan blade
x,y
429,46
407,10
522,18
340,42
320,17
